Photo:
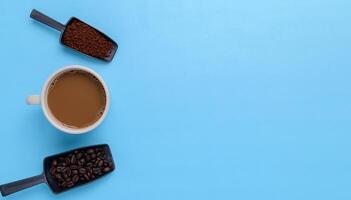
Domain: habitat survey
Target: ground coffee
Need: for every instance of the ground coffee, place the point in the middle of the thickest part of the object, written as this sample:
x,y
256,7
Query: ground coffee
x,y
80,166
86,39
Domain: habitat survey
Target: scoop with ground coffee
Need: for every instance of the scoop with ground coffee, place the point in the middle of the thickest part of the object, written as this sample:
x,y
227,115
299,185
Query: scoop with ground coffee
x,y
81,37
84,38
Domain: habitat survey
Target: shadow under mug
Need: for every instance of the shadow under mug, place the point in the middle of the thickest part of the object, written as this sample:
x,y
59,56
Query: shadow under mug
x,y
42,100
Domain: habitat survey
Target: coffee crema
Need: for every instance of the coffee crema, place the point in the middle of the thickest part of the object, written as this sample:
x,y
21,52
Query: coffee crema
x,y
76,98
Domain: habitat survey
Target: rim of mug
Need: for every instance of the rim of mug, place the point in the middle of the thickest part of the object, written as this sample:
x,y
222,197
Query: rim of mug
x,y
51,118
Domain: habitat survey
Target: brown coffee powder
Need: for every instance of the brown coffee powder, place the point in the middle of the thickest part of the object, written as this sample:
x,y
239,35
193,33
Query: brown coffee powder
x,y
86,39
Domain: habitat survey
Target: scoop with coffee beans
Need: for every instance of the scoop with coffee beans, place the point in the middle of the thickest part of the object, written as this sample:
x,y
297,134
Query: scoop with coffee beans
x,y
68,170
81,37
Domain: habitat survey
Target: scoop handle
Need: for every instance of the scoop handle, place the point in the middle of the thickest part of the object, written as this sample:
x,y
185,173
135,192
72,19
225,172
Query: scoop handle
x,y
47,20
16,186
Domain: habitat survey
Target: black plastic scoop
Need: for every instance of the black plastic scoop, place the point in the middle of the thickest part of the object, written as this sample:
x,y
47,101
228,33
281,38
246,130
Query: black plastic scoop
x,y
81,37
68,170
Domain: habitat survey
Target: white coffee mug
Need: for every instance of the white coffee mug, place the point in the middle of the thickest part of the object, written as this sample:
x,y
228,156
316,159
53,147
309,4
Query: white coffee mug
x,y
42,99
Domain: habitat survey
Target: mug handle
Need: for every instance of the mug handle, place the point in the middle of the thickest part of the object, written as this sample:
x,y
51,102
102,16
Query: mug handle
x,y
33,100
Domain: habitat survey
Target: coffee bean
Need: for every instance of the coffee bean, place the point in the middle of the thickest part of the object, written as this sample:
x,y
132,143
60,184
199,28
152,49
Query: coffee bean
x,y
74,167
87,157
63,184
100,163
58,176
97,171
86,177
107,169
68,172
82,171
70,184
90,151
52,170
75,178
73,159
59,169
64,169
95,163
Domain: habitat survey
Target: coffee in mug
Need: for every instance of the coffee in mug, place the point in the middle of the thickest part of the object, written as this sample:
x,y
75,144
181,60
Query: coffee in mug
x,y
74,99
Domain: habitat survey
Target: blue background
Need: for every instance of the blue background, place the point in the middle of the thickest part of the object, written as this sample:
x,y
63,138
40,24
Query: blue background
x,y
220,99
